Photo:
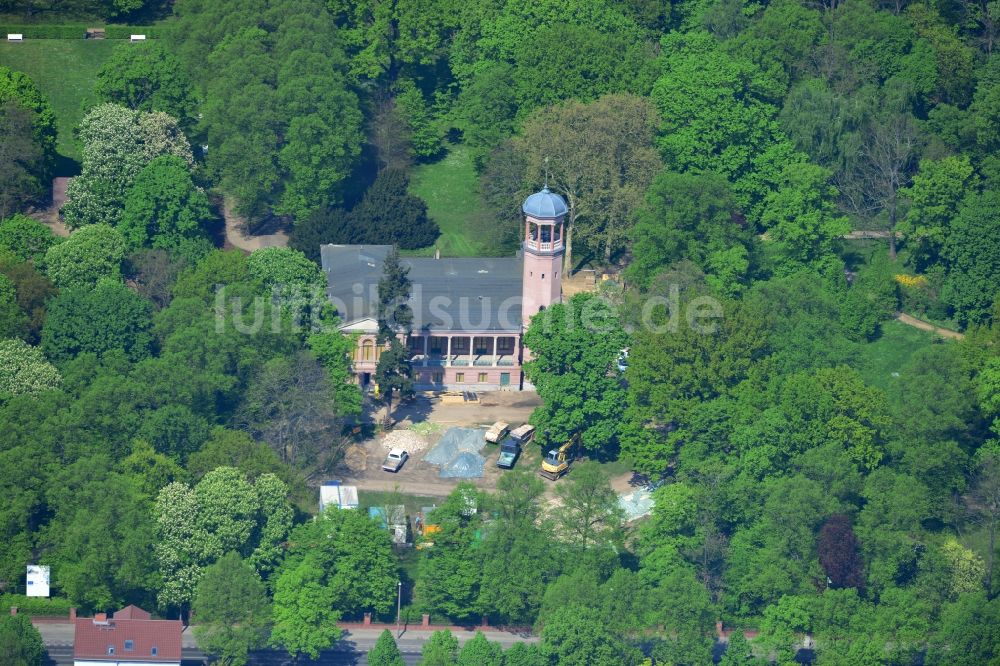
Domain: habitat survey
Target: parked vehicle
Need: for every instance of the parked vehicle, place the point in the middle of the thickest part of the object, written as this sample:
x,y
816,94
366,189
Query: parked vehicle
x,y
510,449
523,434
395,460
497,432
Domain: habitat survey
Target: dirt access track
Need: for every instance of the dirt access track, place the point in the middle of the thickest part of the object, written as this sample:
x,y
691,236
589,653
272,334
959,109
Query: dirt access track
x,y
420,478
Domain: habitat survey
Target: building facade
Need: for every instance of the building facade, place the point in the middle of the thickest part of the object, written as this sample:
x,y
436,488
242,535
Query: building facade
x,y
469,313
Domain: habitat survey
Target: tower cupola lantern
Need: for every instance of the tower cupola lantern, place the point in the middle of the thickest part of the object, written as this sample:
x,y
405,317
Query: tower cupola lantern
x,y
544,229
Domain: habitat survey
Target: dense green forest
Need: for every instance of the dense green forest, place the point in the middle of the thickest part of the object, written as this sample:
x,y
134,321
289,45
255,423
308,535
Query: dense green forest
x,y
820,472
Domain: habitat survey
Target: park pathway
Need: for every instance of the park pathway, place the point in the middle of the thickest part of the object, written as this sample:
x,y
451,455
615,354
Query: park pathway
x,y
927,326
236,236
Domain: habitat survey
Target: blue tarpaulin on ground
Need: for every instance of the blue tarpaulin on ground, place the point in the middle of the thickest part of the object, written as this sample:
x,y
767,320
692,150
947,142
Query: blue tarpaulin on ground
x,y
457,453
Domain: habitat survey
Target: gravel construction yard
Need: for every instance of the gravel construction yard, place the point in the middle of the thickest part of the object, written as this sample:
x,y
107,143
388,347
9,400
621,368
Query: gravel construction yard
x,y
417,476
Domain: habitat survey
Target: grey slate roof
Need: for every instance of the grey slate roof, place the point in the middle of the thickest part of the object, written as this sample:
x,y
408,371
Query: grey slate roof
x,y
545,205
448,294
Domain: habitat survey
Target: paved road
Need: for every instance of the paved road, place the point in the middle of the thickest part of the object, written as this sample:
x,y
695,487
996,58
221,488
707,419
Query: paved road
x,y
63,656
349,651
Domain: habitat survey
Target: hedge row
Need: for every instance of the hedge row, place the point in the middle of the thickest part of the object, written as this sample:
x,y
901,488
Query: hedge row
x,y
34,605
78,31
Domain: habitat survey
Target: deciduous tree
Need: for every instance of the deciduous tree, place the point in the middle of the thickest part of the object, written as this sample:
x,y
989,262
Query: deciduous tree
x,y
356,556
24,370
100,319
450,572
147,77
385,652
289,404
305,621
600,157
575,347
578,636
164,209
838,553
973,259
91,254
440,650
223,512
478,651
25,238
232,610
22,159
117,144
590,514
689,216
18,88
20,642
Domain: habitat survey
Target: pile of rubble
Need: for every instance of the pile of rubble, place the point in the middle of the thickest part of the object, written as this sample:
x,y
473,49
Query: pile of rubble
x,y
407,440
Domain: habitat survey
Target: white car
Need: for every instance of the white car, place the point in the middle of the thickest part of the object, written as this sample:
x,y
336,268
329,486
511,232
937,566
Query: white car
x,y
395,460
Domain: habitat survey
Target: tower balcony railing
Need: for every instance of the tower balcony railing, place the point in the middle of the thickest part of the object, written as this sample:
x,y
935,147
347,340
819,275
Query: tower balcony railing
x,y
544,245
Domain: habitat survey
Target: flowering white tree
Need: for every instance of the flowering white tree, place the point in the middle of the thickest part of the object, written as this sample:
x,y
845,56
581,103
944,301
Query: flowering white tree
x,y
224,512
24,370
117,143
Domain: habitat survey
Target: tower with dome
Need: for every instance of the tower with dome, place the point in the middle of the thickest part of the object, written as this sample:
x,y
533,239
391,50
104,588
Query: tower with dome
x,y
544,229
469,313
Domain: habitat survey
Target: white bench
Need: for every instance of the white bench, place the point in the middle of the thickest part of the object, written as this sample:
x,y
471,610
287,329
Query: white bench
x,y
15,37
137,38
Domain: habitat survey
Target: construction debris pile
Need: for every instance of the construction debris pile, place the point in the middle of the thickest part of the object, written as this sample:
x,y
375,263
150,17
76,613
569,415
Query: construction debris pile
x,y
408,440
458,454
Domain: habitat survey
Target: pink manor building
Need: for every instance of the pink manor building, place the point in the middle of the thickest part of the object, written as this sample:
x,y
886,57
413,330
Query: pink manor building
x,y
469,313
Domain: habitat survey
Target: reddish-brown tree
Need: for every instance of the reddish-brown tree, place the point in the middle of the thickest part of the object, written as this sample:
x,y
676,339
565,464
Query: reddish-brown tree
x,y
838,553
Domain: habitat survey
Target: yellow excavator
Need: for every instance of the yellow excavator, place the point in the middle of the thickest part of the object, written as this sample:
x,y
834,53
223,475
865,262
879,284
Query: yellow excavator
x,y
557,461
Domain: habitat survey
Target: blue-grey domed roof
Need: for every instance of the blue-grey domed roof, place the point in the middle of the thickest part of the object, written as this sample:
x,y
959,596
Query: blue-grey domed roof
x,y
545,205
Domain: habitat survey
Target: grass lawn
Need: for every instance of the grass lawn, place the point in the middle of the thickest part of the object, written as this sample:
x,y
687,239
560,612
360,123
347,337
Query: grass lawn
x,y
890,352
65,70
451,190
413,503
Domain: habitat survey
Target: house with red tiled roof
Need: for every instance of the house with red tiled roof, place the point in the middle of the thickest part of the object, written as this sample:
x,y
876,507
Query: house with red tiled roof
x,y
129,637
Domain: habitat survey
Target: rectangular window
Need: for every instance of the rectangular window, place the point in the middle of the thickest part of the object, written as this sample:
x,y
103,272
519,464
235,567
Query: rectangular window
x,y
505,346
482,377
459,377
111,649
153,651
504,379
437,377
129,646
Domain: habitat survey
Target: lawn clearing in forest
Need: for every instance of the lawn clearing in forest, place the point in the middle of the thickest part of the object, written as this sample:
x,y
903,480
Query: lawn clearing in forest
x,y
451,189
890,352
65,71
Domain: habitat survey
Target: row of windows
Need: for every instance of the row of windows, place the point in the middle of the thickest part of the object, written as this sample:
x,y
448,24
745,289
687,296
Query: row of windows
x,y
370,352
460,377
483,377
